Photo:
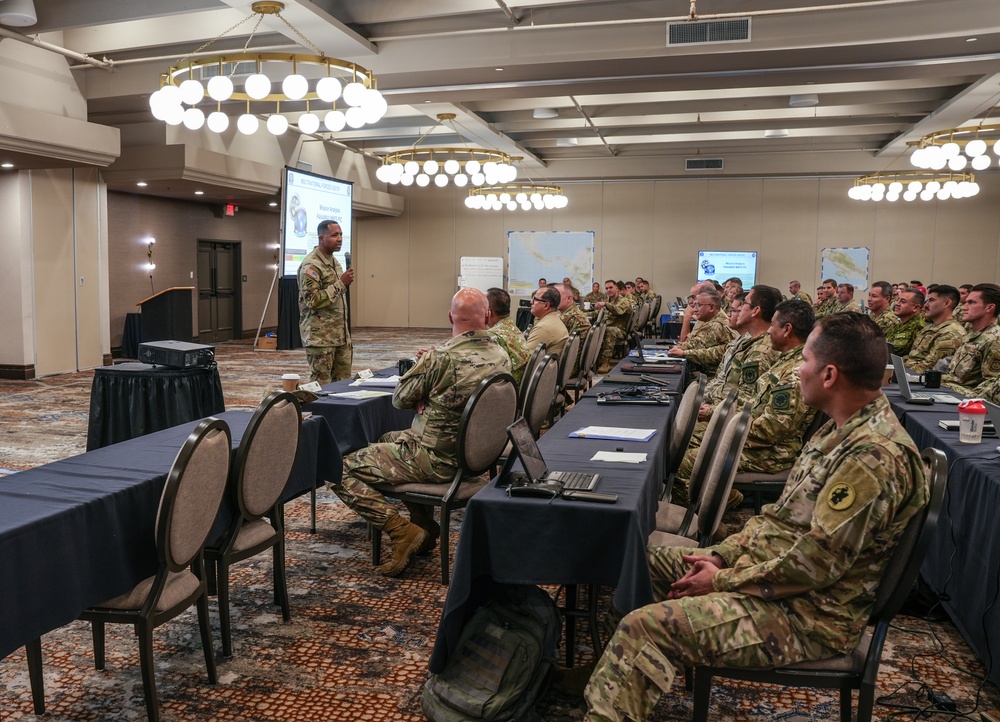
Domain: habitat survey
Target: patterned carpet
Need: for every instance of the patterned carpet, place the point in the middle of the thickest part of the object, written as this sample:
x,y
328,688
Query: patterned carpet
x,y
357,645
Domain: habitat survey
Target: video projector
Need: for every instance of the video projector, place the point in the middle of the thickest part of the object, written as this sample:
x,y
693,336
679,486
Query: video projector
x,y
176,353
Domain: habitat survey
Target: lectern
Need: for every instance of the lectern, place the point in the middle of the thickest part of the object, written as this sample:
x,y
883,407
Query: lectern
x,y
167,315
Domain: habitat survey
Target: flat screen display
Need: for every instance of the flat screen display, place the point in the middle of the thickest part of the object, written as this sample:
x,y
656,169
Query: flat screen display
x,y
720,265
307,199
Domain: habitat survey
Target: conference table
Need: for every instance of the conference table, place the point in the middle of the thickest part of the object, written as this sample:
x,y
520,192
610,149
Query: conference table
x,y
521,540
963,562
359,422
78,531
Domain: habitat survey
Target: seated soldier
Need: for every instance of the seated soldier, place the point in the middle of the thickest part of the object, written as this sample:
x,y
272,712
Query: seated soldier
x,y
618,308
942,337
707,341
506,333
548,327
799,581
911,320
880,305
978,358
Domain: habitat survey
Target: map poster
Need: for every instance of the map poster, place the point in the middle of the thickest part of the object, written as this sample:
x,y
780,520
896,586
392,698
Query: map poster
x,y
551,255
846,265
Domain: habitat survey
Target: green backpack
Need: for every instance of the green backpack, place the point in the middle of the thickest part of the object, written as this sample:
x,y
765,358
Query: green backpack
x,y
501,662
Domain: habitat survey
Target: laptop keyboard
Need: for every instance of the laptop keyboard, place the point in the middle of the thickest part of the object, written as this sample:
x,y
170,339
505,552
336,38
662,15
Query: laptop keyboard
x,y
574,479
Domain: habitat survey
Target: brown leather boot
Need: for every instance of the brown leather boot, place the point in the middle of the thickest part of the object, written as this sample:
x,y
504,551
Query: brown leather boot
x,y
423,516
406,539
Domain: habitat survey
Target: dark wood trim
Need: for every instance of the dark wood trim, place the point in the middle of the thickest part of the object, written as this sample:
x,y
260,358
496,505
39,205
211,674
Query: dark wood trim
x,y
252,332
17,373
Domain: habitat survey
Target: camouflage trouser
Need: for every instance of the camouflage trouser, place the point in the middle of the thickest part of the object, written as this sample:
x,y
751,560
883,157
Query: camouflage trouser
x,y
653,644
612,336
330,363
387,462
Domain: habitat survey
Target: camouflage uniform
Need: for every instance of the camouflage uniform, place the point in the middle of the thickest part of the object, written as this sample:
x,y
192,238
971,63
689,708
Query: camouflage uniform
x,y
506,333
849,307
323,318
800,579
744,361
933,343
595,297
827,307
576,322
885,320
803,296
444,378
779,418
989,390
707,342
975,361
901,335
618,312
959,312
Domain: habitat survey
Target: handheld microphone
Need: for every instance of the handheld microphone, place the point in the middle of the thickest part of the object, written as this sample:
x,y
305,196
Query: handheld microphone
x,y
347,260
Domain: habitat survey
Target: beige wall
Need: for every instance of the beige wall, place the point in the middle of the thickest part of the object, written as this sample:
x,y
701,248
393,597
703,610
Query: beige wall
x,y
177,226
408,265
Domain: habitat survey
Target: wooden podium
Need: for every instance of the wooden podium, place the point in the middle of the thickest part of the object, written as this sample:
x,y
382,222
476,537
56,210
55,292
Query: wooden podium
x,y
167,315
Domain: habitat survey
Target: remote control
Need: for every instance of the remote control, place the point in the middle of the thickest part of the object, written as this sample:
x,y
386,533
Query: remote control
x,y
584,495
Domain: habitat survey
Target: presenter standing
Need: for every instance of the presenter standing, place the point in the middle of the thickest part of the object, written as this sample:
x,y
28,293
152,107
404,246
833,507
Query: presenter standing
x,y
323,307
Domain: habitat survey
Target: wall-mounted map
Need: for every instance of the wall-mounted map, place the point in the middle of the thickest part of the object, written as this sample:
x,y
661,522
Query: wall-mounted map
x,y
551,255
846,265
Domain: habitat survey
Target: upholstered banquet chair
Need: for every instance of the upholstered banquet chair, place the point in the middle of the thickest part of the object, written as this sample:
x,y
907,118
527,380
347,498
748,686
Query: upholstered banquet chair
x,y
859,669
263,464
482,436
188,507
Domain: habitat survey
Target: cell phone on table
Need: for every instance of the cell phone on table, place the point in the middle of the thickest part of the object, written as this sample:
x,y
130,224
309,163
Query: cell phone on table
x,y
584,495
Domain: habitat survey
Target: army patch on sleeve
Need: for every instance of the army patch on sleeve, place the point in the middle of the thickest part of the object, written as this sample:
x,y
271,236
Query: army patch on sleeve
x,y
750,374
841,496
312,273
781,400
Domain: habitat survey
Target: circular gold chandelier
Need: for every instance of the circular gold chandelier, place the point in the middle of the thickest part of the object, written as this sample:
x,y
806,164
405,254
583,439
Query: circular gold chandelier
x,y
310,84
958,148
910,185
512,196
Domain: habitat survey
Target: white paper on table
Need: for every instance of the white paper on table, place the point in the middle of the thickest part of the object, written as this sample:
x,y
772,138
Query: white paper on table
x,y
626,457
363,394
613,432
388,381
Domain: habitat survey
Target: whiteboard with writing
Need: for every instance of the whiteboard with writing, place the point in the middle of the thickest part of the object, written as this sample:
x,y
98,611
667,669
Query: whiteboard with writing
x,y
482,272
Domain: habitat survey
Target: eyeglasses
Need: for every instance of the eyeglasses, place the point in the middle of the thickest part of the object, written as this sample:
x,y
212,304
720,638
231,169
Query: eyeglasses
x,y
537,300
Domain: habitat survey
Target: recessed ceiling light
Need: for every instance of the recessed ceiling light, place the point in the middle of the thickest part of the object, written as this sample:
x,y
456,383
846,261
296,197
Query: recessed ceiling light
x,y
971,40
567,142
499,70
545,113
142,184
803,101
199,193
6,165
776,133
273,204
428,101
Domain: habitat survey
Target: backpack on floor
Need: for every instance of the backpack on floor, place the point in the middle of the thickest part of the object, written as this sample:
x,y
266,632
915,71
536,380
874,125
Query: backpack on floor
x,y
501,662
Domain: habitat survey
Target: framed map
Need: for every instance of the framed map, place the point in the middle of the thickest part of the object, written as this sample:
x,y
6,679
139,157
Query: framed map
x,y
846,265
551,255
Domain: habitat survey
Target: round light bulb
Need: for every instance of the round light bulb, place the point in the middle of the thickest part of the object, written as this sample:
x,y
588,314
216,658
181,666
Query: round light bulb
x,y
477,179
174,115
957,162
220,88
496,205
328,89
878,188
441,180
194,118
354,94
411,167
511,205
892,197
926,195
247,124
525,205
335,121
918,158
430,166
504,197
975,147
295,87
355,117
218,121
384,173
895,187
521,197
972,190
473,166
950,150
909,196
461,180
423,180
981,162
277,124
170,95
470,202
308,123
914,186
452,166
490,197
406,179
258,86
192,92
933,186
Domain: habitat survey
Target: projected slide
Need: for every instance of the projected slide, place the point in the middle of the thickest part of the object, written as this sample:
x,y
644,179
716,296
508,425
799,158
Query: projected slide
x,y
307,199
720,265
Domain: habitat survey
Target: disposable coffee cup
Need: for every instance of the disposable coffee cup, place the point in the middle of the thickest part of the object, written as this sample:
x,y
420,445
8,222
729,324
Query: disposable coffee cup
x,y
931,379
971,418
887,376
290,382
586,305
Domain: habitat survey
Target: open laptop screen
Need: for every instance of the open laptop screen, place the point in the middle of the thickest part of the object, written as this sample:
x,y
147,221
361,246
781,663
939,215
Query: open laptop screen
x,y
527,449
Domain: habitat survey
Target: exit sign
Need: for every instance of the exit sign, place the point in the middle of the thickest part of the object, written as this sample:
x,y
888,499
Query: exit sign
x,y
231,209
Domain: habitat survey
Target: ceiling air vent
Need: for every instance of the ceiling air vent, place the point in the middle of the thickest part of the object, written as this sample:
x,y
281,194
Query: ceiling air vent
x,y
699,32
703,164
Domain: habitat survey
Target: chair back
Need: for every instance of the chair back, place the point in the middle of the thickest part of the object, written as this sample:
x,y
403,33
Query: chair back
x,y
570,351
721,473
655,310
904,565
709,442
601,316
643,317
588,343
266,455
596,361
541,390
529,368
685,420
191,497
632,318
482,431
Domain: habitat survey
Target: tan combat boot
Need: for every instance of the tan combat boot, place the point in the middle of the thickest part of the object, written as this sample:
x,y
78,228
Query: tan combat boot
x,y
423,516
406,540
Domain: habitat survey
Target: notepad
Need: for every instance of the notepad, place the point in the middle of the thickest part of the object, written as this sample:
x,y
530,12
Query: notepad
x,y
614,433
625,457
365,394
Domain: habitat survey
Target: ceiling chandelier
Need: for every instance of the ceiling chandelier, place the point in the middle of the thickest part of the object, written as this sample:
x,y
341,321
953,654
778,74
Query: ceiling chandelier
x,y
512,196
310,84
910,185
957,148
460,165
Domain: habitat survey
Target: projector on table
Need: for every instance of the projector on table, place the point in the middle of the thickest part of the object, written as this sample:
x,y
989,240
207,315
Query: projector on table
x,y
176,353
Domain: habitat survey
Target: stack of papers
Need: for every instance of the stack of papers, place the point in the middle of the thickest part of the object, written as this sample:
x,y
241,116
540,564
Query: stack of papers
x,y
363,394
611,432
384,381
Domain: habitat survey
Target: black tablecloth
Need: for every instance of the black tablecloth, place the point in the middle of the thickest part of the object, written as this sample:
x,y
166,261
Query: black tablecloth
x,y
133,399
288,313
536,541
359,422
79,531
131,335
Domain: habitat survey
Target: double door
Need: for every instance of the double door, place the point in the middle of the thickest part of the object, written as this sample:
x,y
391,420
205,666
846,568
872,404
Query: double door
x,y
218,291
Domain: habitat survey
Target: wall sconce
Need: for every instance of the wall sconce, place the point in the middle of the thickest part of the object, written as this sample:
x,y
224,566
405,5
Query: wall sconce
x,y
150,265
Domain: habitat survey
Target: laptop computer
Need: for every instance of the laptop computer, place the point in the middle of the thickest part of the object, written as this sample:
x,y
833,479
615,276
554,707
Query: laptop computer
x,y
904,387
541,481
